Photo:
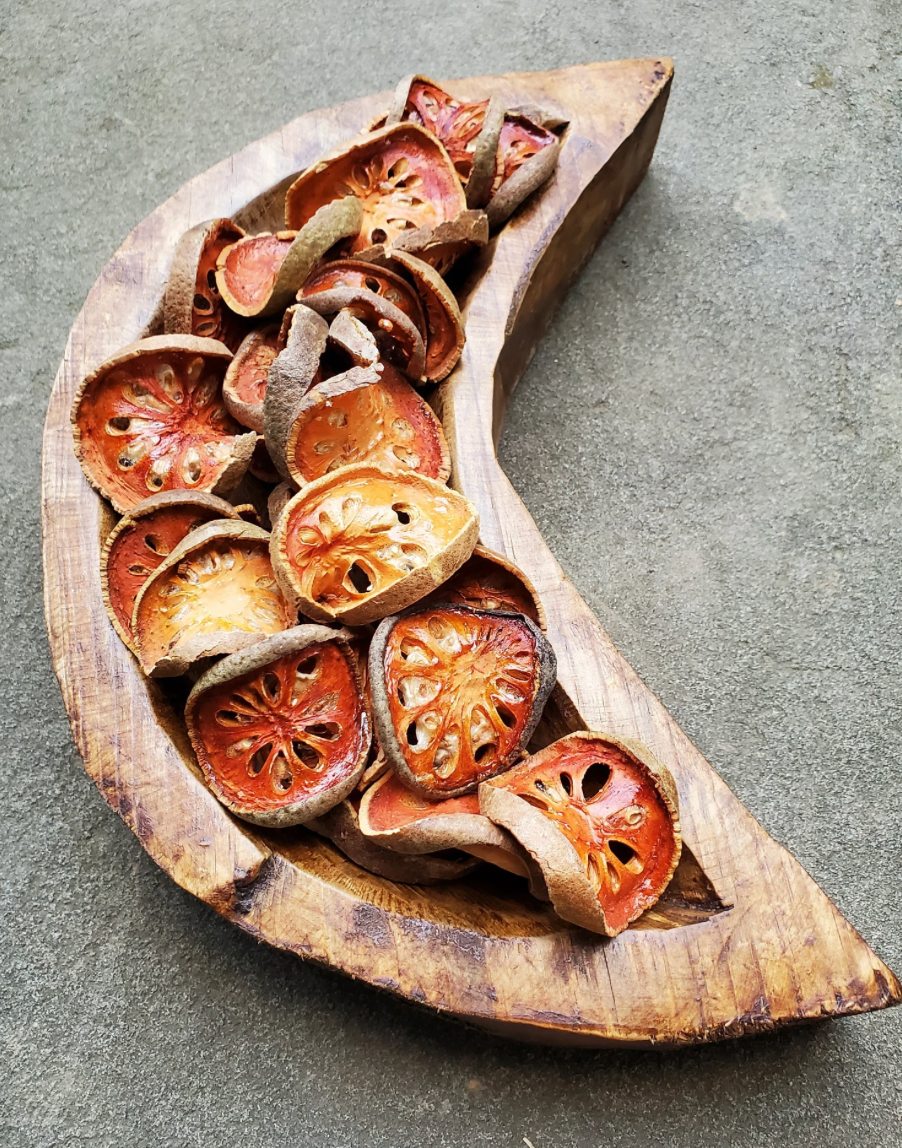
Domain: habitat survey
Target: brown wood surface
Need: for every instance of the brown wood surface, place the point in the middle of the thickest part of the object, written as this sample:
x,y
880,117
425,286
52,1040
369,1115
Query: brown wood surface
x,y
743,941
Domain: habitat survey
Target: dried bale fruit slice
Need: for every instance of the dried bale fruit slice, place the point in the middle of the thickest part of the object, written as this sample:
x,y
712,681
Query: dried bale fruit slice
x,y
261,274
444,329
293,372
600,815
527,155
399,341
281,729
489,581
401,174
244,386
214,594
360,276
192,304
340,825
457,694
443,245
358,543
143,538
152,418
348,420
354,338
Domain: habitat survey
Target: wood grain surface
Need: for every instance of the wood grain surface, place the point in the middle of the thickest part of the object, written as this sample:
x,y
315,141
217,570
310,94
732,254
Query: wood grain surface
x,y
743,941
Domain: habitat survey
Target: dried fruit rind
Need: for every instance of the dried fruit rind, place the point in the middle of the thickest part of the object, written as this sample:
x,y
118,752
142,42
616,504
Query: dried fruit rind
x,y
293,372
384,423
142,539
401,174
457,694
215,594
444,328
358,275
192,304
244,385
281,728
152,418
261,274
490,581
600,815
528,154
340,825
358,544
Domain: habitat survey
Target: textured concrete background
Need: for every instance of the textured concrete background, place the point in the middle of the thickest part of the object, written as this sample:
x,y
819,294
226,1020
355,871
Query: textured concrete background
x,y
710,441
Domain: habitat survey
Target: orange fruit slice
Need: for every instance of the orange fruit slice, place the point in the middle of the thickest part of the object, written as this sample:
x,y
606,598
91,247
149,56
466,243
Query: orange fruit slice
x,y
192,304
489,581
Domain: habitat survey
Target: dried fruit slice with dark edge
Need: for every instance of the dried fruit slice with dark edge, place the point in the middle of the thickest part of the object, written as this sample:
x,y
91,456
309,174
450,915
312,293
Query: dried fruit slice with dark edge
x,y
143,538
192,304
281,728
261,274
600,815
340,825
152,418
293,372
395,817
399,341
444,329
362,276
358,544
527,155
489,581
278,499
348,420
244,386
457,694
443,245
469,130
215,594
401,174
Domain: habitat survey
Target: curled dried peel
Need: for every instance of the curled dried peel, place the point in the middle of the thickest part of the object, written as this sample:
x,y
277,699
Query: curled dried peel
x,y
401,174
192,304
398,339
600,815
360,276
244,386
457,694
214,594
527,155
152,418
340,825
143,539
260,274
444,329
345,421
455,122
358,543
281,728
489,581
443,245
293,372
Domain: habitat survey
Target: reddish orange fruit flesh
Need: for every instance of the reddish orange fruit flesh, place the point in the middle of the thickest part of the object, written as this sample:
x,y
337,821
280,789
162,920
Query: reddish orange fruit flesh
x,y
367,277
251,266
253,361
386,424
139,550
520,140
456,124
394,805
157,422
484,584
461,687
607,805
210,317
284,733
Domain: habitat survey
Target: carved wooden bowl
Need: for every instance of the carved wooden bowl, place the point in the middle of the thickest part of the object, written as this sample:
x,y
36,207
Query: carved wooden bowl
x,y
742,941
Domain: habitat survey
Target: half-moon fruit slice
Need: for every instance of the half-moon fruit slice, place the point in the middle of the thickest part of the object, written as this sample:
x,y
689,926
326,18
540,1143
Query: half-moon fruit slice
x,y
344,421
401,174
527,155
261,274
457,694
489,581
214,594
244,386
444,328
152,418
281,729
341,826
192,304
143,538
359,276
457,124
600,815
393,816
359,543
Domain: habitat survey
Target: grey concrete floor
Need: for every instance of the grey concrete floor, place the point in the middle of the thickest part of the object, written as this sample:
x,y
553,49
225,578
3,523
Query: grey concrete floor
x,y
709,439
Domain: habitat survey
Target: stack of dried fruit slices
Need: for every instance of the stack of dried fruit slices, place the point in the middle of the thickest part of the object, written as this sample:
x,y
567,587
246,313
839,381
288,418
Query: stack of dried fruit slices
x,y
363,666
